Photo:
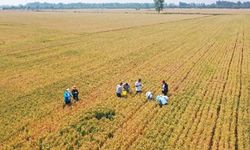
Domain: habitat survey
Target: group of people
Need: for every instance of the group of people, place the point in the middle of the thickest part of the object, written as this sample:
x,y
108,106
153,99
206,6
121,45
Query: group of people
x,y
71,93
123,89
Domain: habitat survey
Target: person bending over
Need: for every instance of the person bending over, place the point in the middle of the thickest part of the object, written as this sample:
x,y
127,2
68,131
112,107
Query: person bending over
x,y
119,90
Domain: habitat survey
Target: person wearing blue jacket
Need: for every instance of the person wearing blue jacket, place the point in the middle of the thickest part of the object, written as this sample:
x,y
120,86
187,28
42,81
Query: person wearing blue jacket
x,y
162,100
67,96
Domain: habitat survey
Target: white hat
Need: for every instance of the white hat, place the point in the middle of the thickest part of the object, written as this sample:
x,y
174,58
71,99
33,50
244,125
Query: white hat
x,y
67,89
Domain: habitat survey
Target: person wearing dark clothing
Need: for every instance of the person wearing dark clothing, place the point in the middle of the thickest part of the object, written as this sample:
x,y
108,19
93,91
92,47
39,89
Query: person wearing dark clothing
x,y
75,93
126,87
164,88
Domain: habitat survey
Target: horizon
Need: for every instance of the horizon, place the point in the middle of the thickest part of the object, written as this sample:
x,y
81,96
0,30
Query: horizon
x,y
23,2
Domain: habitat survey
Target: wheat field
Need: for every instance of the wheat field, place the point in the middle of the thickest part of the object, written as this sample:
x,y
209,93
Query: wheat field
x,y
204,58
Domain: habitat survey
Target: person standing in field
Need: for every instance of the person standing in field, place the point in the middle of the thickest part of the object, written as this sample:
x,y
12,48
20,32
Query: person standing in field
x,y
164,88
75,93
138,86
67,96
119,89
126,87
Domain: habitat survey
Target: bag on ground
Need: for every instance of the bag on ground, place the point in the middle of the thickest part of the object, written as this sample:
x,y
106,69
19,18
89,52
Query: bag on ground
x,y
124,93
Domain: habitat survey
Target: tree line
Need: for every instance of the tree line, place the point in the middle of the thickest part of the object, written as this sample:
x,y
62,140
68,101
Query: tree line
x,y
218,4
158,5
38,5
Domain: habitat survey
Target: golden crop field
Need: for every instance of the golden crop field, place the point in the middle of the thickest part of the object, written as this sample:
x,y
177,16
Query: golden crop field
x,y
204,58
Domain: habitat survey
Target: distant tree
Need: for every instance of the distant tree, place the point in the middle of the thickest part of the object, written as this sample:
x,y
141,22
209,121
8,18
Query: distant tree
x,y
159,4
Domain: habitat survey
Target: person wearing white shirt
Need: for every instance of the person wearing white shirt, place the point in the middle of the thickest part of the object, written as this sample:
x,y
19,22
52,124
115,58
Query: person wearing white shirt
x,y
119,90
138,86
149,96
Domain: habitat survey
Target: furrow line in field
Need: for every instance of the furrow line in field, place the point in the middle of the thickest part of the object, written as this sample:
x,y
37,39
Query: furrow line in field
x,y
213,99
222,93
179,118
207,94
187,74
184,141
200,107
236,69
162,23
239,95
